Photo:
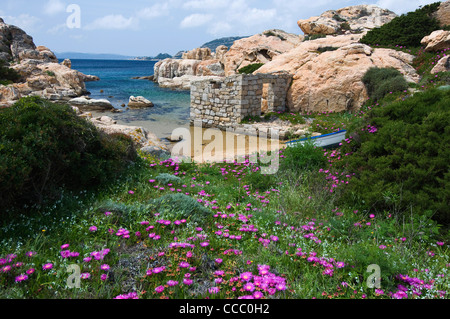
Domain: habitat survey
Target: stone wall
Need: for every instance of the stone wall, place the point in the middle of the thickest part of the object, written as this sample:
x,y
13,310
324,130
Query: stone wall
x,y
224,103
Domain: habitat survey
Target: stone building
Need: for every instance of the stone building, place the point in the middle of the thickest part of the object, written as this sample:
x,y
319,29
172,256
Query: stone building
x,y
224,103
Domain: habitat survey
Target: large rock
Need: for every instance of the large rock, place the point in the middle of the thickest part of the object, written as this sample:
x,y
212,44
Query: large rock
x,y
259,48
136,102
443,65
443,13
356,19
437,40
183,82
198,54
88,104
332,80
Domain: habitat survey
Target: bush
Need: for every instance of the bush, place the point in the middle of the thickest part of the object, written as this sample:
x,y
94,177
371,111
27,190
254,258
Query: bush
x,y
249,69
302,157
311,37
327,48
381,81
166,178
179,206
400,157
45,146
7,75
406,30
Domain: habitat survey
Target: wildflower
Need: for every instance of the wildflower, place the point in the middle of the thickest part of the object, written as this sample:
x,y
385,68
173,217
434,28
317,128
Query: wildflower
x,y
249,287
183,264
65,246
172,283
104,267
85,275
92,228
87,259
30,271
131,295
21,277
213,290
47,266
258,295
159,289
103,277
158,270
246,276
187,281
219,260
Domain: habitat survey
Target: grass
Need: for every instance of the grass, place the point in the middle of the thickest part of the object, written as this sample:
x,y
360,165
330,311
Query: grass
x,y
288,234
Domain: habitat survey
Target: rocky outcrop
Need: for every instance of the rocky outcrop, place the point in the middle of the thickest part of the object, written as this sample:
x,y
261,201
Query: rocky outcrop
x,y
260,48
331,81
177,73
437,40
198,54
355,19
40,72
443,13
443,65
137,102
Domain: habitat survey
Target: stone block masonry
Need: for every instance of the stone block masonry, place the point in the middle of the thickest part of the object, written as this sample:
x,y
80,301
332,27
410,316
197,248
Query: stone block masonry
x,y
224,103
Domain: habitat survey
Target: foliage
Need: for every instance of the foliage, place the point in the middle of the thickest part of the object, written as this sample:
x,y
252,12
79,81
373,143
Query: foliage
x,y
311,37
7,75
381,81
45,146
400,156
327,48
407,29
178,206
166,178
249,69
304,156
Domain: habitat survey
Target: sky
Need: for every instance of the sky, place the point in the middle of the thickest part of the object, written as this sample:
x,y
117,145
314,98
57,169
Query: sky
x,y
149,27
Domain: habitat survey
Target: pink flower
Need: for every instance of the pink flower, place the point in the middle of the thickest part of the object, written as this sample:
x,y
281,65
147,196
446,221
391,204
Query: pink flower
x,y
47,266
159,289
93,228
21,277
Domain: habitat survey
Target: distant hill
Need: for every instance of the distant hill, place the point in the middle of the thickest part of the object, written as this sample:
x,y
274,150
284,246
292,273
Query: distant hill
x,y
160,56
227,41
91,56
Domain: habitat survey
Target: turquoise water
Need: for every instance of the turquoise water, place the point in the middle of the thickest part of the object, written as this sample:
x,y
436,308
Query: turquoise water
x,y
171,108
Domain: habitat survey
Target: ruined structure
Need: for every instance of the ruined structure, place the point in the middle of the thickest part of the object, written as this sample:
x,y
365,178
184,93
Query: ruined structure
x,y
224,103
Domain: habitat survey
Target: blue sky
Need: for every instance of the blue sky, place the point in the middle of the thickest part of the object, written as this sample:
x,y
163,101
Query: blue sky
x,y
149,27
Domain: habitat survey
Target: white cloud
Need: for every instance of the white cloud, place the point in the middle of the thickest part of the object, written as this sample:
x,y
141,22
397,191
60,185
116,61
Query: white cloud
x,y
196,20
156,10
403,6
113,22
53,7
24,21
220,28
206,4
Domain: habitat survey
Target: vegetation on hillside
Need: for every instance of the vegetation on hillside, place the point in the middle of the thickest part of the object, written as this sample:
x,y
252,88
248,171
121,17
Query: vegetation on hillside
x,y
406,30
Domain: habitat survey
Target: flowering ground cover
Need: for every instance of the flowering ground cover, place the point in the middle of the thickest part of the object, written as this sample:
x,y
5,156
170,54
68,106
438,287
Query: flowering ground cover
x,y
176,230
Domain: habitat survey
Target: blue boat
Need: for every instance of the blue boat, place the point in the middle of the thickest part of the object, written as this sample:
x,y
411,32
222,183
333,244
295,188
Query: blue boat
x,y
325,141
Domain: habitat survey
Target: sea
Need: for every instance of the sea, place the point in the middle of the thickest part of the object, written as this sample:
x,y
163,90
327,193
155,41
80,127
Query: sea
x,y
171,107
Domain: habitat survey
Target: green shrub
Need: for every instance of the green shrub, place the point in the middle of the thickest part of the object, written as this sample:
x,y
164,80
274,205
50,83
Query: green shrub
x,y
46,146
179,206
406,30
304,156
249,69
7,75
400,157
381,81
327,48
166,178
311,37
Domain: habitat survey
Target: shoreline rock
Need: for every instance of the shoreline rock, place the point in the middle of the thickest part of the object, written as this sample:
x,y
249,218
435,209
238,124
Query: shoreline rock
x,y
137,102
